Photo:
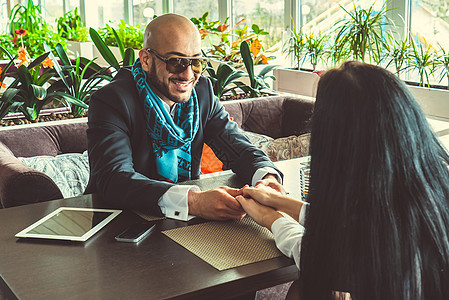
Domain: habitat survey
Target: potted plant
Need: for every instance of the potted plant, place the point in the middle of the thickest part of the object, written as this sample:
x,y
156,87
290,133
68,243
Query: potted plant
x,y
131,37
28,92
127,55
71,28
299,47
78,85
225,80
35,31
424,59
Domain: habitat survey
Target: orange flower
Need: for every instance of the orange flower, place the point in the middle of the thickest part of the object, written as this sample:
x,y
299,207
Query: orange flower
x,y
24,57
264,60
2,85
48,63
222,27
255,47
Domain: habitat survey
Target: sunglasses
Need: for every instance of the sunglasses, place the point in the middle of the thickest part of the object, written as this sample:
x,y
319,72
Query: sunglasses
x,y
178,64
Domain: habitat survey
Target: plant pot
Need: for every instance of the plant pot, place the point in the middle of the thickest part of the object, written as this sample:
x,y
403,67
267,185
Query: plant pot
x,y
433,101
295,81
43,122
84,49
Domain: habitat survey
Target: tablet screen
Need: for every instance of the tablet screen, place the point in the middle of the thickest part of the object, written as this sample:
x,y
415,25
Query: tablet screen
x,y
70,223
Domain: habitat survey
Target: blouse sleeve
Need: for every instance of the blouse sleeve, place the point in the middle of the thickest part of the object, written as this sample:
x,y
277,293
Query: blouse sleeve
x,y
288,235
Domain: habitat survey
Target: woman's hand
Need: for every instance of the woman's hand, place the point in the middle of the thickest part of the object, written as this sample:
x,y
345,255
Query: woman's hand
x,y
270,181
263,215
272,198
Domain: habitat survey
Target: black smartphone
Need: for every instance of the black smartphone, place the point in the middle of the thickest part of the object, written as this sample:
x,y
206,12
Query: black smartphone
x,y
136,232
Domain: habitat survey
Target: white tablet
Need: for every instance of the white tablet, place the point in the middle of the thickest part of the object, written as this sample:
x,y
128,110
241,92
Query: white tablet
x,y
70,223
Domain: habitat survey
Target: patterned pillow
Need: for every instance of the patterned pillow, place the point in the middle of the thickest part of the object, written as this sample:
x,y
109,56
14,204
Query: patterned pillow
x,y
259,140
69,171
288,147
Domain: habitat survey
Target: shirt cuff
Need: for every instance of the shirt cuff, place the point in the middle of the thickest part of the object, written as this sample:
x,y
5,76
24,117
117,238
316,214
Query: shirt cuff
x,y
174,203
260,174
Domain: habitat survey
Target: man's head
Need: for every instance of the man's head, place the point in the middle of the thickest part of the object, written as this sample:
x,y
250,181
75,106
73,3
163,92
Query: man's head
x,y
169,36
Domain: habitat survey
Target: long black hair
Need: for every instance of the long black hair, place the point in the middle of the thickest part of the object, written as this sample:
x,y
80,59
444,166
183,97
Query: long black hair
x,y
378,222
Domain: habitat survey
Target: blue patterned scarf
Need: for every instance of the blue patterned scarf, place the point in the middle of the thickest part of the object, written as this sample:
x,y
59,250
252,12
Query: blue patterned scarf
x,y
171,137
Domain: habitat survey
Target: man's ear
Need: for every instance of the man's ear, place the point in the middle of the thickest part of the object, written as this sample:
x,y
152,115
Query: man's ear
x,y
145,60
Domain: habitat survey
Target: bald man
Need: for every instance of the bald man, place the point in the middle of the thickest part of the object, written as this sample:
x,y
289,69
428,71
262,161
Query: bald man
x,y
148,126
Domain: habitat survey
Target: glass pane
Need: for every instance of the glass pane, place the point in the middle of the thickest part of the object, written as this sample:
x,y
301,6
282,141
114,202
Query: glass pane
x,y
74,4
196,8
99,13
144,10
52,9
268,15
430,29
321,15
3,16
430,19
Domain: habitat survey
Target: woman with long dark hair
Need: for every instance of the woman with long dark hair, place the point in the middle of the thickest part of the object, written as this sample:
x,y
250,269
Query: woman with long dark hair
x,y
377,225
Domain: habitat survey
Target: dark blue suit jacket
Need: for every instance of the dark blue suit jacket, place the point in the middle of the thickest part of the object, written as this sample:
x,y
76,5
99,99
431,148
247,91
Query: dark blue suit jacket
x,y
122,163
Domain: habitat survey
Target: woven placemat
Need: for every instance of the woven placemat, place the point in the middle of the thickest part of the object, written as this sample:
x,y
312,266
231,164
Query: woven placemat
x,y
226,245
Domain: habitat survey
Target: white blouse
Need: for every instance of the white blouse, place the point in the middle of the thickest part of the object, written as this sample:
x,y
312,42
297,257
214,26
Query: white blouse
x,y
288,234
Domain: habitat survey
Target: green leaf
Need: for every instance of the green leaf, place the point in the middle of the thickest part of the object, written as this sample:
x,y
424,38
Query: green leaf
x,y
24,76
267,69
248,60
129,57
38,60
70,99
104,50
11,57
39,92
62,55
119,43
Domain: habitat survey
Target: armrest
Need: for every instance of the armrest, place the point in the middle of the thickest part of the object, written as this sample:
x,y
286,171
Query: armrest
x,y
20,184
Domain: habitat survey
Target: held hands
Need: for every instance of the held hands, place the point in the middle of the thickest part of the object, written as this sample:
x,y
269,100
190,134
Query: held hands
x,y
271,181
263,215
216,204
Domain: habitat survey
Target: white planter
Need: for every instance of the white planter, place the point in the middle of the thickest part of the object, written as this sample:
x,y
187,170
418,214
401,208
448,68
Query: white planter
x,y
434,102
115,50
84,49
48,123
295,82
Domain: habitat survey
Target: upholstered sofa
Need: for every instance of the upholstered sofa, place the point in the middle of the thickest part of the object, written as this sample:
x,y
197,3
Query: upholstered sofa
x,y
27,177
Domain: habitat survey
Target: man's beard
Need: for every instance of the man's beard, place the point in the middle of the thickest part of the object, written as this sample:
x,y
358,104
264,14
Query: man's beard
x,y
163,88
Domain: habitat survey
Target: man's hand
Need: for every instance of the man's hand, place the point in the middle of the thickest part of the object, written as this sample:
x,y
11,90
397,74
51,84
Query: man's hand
x,y
270,180
216,204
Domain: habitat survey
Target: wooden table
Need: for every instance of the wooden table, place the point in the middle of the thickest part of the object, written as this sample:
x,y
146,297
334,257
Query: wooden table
x,y
101,268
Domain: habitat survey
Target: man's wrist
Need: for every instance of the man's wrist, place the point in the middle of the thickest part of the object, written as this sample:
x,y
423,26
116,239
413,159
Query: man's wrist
x,y
271,176
192,198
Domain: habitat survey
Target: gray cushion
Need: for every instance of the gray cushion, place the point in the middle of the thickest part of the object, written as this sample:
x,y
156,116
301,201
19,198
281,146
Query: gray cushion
x,y
69,171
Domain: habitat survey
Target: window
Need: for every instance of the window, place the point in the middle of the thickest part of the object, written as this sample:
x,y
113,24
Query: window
x,y
52,10
429,24
196,8
99,13
145,10
3,16
268,15
430,19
